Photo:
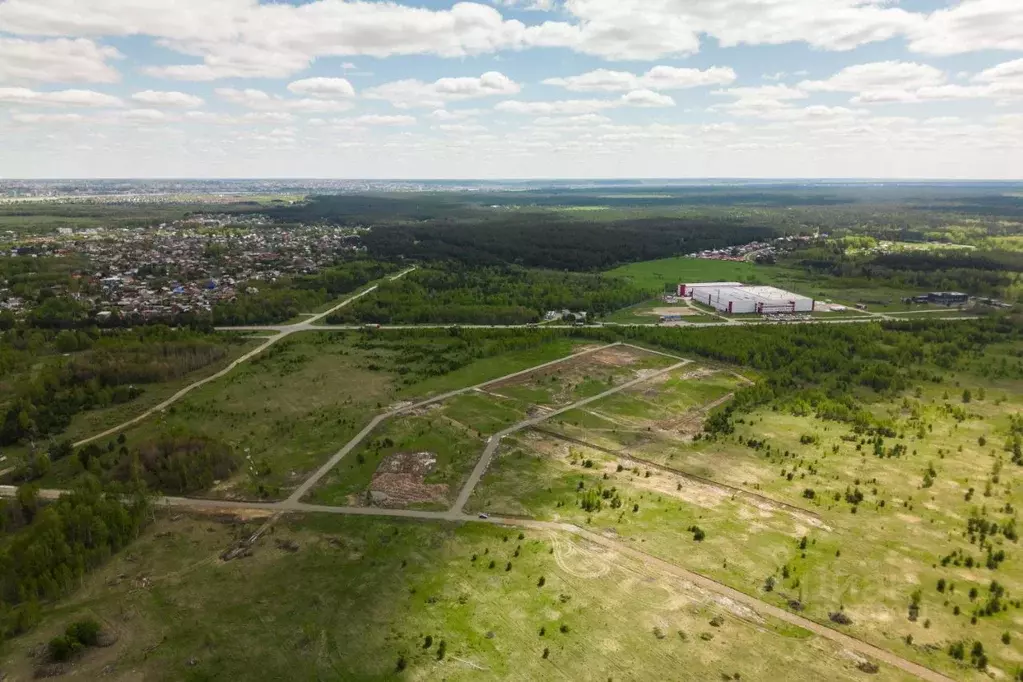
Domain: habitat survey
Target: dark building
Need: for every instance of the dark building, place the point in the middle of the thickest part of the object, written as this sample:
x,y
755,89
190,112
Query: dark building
x,y
942,298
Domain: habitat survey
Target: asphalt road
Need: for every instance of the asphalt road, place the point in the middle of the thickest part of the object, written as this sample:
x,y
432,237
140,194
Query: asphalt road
x,y
306,326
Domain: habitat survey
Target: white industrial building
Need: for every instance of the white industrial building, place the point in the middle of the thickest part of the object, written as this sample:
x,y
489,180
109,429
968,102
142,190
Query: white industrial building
x,y
738,299
687,289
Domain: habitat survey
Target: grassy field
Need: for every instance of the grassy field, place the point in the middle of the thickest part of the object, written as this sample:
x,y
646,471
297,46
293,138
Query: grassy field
x,y
655,275
286,411
382,469
887,535
646,313
359,599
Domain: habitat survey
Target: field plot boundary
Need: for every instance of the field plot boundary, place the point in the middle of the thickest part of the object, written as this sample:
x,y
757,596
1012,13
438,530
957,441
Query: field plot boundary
x,y
494,442
312,480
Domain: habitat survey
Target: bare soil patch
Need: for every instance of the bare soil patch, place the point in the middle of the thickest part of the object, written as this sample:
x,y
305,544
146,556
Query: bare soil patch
x,y
684,311
400,480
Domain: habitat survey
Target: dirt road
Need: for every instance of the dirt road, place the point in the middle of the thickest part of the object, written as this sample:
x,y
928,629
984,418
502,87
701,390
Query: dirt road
x,y
283,331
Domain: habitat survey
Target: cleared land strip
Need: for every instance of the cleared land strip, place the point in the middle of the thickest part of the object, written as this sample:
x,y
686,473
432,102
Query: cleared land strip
x,y
495,440
728,489
308,484
284,330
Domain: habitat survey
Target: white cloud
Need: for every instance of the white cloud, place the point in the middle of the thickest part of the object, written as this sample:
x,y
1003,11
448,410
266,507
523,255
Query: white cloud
x,y
650,29
71,98
376,120
249,39
416,93
534,5
572,121
269,117
326,88
909,82
879,76
461,128
34,119
575,107
56,61
264,101
454,114
567,107
657,78
969,26
647,98
167,99
147,116
1006,71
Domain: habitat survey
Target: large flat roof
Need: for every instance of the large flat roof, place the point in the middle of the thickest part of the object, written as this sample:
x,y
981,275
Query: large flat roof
x,y
756,293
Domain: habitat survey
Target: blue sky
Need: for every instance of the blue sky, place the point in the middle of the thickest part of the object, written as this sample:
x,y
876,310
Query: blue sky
x,y
512,88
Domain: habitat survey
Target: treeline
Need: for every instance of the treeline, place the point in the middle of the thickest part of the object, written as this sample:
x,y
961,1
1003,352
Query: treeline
x,y
43,389
984,273
488,295
303,293
48,549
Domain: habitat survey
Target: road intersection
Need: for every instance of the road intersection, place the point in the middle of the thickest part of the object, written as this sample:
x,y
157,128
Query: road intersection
x,y
294,504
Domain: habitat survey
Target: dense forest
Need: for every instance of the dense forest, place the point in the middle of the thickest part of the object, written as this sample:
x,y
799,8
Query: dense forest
x,y
982,273
47,549
559,244
487,295
48,377
445,227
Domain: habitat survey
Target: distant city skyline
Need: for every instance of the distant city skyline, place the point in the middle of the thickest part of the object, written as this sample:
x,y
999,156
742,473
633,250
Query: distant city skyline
x,y
512,89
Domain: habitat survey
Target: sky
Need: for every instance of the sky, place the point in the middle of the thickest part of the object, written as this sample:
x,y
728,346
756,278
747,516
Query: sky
x,y
512,89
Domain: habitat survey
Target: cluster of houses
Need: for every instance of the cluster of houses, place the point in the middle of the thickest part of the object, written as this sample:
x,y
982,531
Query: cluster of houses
x,y
181,267
758,251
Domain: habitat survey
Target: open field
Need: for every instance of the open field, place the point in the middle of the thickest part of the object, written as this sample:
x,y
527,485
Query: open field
x,y
497,599
287,410
649,312
911,533
423,457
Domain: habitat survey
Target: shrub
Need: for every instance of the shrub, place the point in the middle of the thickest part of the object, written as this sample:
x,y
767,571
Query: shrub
x,y
840,617
84,631
63,648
